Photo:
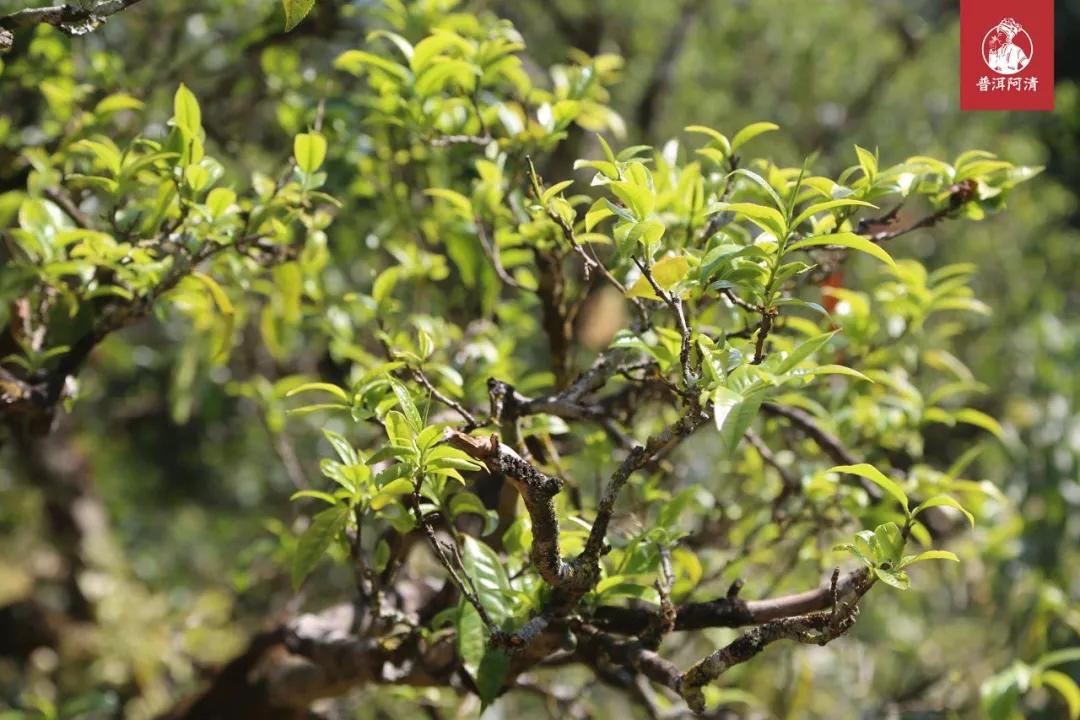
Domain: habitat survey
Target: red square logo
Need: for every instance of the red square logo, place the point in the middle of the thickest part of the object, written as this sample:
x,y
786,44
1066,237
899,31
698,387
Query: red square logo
x,y
1006,54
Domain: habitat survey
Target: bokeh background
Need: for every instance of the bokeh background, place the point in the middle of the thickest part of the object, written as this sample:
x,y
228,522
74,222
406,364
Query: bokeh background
x,y
168,561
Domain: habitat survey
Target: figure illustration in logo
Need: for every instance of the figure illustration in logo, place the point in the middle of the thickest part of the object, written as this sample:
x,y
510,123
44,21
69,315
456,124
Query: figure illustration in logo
x,y
1002,49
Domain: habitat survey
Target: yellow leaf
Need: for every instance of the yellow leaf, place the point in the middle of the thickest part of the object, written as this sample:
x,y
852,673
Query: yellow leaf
x,y
670,270
667,271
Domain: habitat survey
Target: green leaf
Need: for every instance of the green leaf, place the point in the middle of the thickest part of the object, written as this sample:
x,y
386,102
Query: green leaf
x,y
930,555
770,219
669,270
939,500
393,489
971,416
871,473
315,494
224,306
318,407
555,190
186,111
471,638
401,43
607,149
814,209
848,240
320,386
105,153
1066,686
116,102
461,203
868,162
295,11
840,370
490,676
354,61
733,414
219,201
381,556
1058,657
316,539
638,199
608,170
485,569
598,212
666,272
467,502
719,138
750,132
407,405
341,446
889,542
310,151
804,350
763,184
896,578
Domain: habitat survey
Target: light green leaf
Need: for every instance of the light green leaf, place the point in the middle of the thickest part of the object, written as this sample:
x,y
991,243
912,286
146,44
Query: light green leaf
x,y
930,555
316,494
871,473
324,387
471,637
719,138
407,405
733,414
461,203
763,184
750,132
840,370
868,162
939,500
669,270
980,419
219,201
770,219
310,151
896,578
816,208
555,190
889,542
666,272
1066,686
487,572
393,489
354,61
295,11
848,240
804,350
1058,657
224,306
490,676
316,539
342,447
186,111
116,102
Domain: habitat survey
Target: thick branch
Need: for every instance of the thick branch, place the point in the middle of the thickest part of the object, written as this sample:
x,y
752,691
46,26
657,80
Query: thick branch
x,y
730,611
638,458
72,19
816,628
537,491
